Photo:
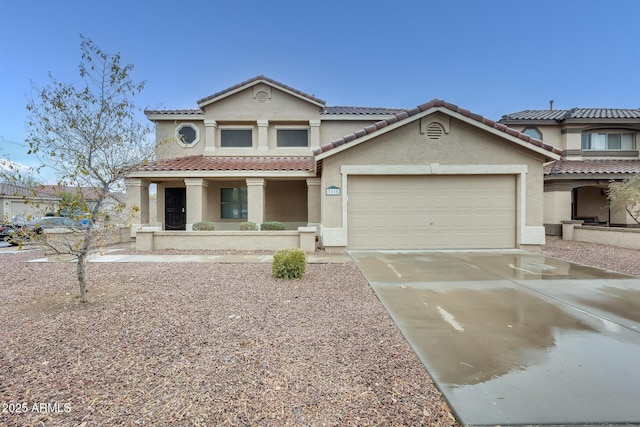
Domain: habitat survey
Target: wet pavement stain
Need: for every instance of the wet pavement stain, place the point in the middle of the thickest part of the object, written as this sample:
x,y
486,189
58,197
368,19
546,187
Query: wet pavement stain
x,y
504,329
513,337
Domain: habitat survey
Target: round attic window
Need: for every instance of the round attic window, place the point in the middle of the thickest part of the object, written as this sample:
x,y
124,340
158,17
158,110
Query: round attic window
x,y
187,134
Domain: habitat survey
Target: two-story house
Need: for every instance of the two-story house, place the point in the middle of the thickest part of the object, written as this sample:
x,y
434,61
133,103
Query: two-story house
x,y
434,176
599,146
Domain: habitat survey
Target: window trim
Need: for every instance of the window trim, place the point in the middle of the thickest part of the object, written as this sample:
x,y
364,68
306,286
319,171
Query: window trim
x,y
238,203
533,128
293,127
586,137
179,137
237,127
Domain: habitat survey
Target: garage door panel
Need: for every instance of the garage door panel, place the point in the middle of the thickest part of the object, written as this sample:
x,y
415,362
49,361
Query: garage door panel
x,y
431,212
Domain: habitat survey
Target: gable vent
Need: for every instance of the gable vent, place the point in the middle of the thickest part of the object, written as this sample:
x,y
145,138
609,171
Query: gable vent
x,y
434,131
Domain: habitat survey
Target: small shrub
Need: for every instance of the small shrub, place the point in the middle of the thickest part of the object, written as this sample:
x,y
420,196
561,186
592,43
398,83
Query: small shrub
x,y
272,225
248,226
204,226
289,264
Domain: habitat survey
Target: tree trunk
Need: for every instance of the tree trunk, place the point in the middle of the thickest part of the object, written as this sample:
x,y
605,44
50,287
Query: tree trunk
x,y
80,269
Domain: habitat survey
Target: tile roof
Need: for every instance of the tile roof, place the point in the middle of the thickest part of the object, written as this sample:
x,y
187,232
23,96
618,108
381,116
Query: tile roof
x,y
342,110
404,114
189,112
574,113
592,166
255,80
13,190
202,163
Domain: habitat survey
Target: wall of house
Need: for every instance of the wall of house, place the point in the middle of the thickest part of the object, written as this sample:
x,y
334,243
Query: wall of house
x,y
557,208
592,202
10,206
335,129
167,145
286,201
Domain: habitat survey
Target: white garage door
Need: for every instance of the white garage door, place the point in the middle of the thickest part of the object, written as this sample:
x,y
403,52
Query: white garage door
x,y
432,212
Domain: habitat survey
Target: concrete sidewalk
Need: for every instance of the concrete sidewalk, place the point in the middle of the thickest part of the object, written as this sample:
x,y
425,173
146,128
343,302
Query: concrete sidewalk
x,y
113,256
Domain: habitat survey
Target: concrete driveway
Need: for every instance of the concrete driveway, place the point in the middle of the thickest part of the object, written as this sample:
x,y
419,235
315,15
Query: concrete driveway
x,y
512,337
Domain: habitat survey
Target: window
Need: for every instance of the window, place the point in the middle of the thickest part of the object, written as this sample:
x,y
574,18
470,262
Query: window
x,y
187,134
533,133
233,203
608,141
293,138
236,138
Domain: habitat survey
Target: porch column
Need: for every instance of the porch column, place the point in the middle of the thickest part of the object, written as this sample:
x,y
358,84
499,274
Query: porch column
x,y
137,201
313,201
263,132
255,200
314,133
211,128
196,200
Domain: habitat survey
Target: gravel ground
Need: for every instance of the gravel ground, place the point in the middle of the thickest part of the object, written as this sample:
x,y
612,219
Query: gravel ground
x,y
204,345
609,258
215,344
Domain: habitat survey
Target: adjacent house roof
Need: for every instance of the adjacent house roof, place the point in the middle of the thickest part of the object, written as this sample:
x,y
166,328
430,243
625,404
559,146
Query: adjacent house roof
x,y
593,167
202,163
573,114
87,193
13,190
405,114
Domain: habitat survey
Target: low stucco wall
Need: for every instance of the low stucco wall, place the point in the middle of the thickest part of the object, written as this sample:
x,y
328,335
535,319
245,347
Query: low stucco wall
x,y
611,236
150,239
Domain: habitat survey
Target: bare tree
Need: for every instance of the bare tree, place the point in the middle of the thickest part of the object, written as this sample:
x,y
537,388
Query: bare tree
x,y
625,195
91,137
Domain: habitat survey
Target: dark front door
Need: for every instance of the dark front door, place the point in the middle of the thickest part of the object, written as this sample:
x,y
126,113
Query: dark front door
x,y
175,208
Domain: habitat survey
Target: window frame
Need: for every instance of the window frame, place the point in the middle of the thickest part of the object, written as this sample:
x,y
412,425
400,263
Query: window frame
x,y
587,139
178,136
292,128
533,129
241,204
241,128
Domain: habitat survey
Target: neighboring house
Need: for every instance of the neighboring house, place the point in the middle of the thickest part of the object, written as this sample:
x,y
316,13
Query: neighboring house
x,y
89,195
25,202
434,176
599,146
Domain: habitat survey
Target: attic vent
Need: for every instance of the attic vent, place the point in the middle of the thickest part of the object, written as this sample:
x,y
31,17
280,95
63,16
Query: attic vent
x,y
434,131
262,96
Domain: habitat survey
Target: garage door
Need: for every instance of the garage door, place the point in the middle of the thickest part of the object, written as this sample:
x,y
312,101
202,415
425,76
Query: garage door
x,y
432,212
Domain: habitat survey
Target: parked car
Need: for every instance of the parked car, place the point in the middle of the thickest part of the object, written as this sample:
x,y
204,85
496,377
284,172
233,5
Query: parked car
x,y
53,224
18,230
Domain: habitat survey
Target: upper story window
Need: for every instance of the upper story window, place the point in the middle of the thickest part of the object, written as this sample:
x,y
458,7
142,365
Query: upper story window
x,y
187,134
236,138
602,141
533,133
293,138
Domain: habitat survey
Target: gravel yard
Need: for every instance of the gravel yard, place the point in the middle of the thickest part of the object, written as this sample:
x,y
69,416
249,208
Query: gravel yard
x,y
204,345
215,344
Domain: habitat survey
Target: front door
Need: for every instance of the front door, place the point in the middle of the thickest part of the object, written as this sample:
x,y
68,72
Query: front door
x,y
175,208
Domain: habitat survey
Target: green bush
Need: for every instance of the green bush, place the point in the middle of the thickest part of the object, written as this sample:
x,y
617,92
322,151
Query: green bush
x,y
272,225
248,226
204,226
289,264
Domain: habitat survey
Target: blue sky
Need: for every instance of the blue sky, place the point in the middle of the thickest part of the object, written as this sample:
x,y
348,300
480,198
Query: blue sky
x,y
492,57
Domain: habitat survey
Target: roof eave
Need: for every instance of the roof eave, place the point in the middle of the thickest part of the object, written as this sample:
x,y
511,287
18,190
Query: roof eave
x,y
547,154
210,100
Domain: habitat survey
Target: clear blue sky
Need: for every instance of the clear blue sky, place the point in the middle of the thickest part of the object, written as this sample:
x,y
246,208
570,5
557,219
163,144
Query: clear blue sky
x,y
492,57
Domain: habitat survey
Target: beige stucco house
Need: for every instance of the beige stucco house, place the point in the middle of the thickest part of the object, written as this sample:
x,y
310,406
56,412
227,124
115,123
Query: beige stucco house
x,y
599,146
434,176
